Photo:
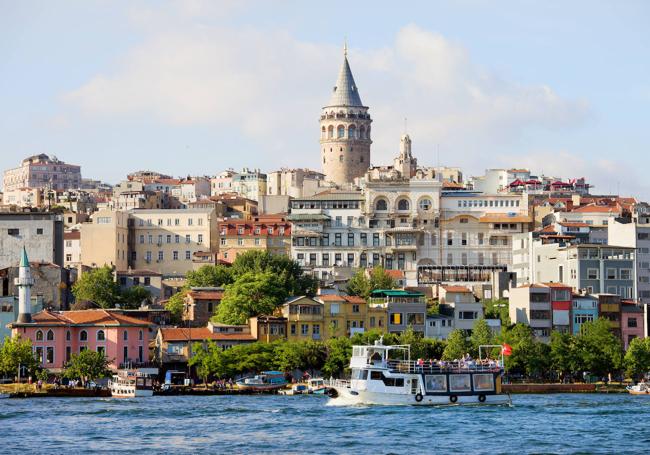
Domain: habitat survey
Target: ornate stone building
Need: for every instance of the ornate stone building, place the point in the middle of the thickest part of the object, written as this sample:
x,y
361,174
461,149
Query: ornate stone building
x,y
345,131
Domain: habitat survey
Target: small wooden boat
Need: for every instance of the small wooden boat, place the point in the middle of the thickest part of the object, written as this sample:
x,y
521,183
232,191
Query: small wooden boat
x,y
317,386
266,381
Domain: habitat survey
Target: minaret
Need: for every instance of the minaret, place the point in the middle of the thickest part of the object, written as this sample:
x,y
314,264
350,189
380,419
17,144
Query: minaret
x,y
24,283
345,130
405,163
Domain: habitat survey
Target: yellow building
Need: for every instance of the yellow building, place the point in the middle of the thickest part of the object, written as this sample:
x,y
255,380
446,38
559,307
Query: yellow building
x,y
346,315
105,240
304,318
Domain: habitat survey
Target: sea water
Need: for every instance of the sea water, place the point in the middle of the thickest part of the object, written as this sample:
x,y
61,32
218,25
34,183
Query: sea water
x,y
562,423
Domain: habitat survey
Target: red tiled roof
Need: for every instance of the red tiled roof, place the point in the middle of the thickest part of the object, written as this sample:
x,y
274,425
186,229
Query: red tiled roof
x,y
462,289
593,208
395,274
72,235
548,228
206,295
557,285
572,224
86,317
200,334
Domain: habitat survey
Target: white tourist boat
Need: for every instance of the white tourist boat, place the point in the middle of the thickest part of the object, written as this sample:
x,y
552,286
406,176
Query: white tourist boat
x,y
385,375
131,384
642,388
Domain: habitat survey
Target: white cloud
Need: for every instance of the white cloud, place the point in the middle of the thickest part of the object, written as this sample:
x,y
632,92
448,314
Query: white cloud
x,y
270,86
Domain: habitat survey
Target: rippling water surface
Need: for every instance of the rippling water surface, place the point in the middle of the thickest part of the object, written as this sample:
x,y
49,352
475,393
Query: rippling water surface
x,y
564,423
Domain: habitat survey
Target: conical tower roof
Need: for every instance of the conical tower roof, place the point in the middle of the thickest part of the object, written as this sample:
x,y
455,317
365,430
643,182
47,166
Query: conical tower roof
x,y
345,91
24,262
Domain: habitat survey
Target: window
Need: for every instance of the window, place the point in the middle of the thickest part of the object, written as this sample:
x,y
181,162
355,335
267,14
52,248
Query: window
x,y
125,354
459,383
188,238
355,308
304,329
376,375
175,255
403,204
83,336
375,239
101,336
177,239
425,204
125,335
49,354
396,318
39,335
483,382
68,336
293,329
467,315
101,349
611,274
631,322
626,274
39,231
435,383
450,239
381,205
169,239
592,274
50,335
350,239
316,329
415,318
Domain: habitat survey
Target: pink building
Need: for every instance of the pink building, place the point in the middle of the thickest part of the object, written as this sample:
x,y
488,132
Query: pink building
x,y
56,335
632,324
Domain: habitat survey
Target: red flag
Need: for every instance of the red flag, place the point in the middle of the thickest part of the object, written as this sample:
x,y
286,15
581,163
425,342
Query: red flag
x,y
506,349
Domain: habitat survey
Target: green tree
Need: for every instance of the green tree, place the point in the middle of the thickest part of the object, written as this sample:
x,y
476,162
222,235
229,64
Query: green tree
x,y
98,286
563,353
134,296
362,285
457,345
598,349
87,366
498,309
481,335
209,276
520,338
14,352
175,304
288,273
637,358
205,359
250,295
288,356
338,354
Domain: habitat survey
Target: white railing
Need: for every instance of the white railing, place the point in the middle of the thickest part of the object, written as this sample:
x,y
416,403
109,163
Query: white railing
x,y
337,383
430,367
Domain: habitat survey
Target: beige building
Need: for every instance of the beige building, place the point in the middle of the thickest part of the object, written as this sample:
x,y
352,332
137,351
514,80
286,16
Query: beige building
x,y
42,171
165,240
105,240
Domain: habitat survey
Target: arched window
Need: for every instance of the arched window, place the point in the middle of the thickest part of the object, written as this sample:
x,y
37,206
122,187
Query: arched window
x,y
425,204
101,336
362,132
403,204
68,336
340,132
352,132
50,335
330,132
323,133
381,205
83,336
125,335
39,335
140,335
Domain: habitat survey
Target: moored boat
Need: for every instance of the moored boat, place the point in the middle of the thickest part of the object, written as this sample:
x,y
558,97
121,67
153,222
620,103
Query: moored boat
x,y
642,388
131,384
266,381
385,375
317,386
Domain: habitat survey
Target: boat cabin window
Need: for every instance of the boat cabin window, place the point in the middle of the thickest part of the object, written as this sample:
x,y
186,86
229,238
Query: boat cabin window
x,y
435,382
483,382
393,382
460,383
376,375
359,374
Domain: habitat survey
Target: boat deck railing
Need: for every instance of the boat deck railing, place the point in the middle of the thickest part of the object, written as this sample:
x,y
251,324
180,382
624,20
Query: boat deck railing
x,y
336,383
429,367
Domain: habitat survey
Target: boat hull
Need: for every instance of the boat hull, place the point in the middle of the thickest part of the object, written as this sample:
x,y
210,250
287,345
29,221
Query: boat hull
x,y
131,393
638,392
348,397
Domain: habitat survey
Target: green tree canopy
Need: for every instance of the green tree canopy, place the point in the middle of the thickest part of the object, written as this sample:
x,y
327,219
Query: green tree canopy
x,y
210,276
498,309
288,273
637,358
134,296
250,295
338,354
563,353
87,366
17,351
481,335
598,349
362,285
457,345
175,305
98,286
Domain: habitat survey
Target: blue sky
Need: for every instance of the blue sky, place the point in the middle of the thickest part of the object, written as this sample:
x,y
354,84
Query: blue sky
x,y
195,87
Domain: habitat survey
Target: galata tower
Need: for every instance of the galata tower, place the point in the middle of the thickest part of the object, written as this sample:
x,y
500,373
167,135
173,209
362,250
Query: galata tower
x,y
345,130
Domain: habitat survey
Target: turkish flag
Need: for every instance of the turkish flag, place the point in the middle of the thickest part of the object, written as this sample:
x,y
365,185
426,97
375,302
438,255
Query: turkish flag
x,y
506,349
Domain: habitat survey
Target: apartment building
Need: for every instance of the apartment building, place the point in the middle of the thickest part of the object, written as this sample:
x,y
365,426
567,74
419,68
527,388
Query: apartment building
x,y
632,322
268,233
295,183
250,184
40,233
461,300
584,308
151,281
346,315
105,240
609,307
531,305
165,240
42,171
304,317
72,249
405,309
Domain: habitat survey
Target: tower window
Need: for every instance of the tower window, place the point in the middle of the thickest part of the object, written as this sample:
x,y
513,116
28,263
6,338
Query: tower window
x,y
340,132
361,160
323,160
330,132
352,132
341,158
